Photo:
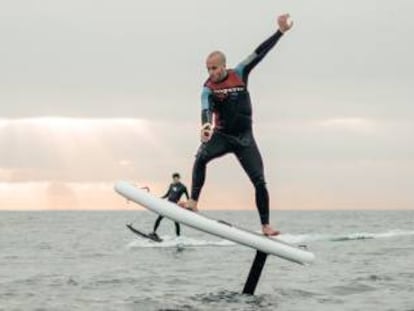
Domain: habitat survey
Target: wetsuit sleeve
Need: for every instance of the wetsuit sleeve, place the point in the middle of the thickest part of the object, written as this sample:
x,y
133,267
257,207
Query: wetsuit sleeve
x,y
167,194
243,69
206,109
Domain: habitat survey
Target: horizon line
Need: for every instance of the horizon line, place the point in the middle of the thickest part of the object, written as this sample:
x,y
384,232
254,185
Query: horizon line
x,y
142,209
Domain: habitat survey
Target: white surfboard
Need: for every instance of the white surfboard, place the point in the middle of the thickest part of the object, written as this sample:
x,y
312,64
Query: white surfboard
x,y
271,246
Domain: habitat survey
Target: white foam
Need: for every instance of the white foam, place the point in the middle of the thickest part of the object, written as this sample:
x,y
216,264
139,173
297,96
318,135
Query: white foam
x,y
180,242
297,239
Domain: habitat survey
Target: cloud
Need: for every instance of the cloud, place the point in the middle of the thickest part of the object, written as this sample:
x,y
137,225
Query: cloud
x,y
70,149
67,163
60,196
325,106
349,124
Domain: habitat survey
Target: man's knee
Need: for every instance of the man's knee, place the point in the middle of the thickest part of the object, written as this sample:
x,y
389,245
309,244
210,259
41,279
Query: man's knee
x,y
202,157
259,182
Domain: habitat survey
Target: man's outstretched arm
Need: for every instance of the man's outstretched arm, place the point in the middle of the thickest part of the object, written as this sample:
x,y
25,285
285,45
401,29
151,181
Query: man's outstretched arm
x,y
243,69
167,194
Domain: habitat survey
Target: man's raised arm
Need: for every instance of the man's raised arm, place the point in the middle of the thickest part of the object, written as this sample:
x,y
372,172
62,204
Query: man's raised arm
x,y
243,69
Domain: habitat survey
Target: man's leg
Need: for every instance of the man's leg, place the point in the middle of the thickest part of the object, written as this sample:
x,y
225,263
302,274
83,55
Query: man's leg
x,y
251,160
177,228
157,223
216,147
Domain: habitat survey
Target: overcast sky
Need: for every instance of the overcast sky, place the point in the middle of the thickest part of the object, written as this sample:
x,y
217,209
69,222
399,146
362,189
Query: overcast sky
x,y
96,91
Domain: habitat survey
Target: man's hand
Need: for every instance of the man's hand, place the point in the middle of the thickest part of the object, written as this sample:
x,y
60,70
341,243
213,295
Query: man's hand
x,y
284,22
206,132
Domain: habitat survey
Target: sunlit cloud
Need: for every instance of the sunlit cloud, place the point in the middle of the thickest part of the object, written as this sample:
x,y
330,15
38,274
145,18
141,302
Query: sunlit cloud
x,y
75,125
59,196
124,162
348,124
69,163
72,163
71,149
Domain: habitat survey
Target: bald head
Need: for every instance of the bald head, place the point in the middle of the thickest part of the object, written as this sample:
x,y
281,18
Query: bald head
x,y
216,66
217,56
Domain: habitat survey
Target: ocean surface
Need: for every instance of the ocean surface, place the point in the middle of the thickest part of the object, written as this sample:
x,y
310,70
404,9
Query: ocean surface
x,y
91,261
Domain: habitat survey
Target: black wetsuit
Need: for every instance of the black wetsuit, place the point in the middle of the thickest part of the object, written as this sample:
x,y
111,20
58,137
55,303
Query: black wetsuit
x,y
174,193
228,102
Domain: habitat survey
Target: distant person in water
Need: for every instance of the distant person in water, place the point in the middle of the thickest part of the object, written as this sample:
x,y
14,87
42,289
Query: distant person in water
x,y
226,122
174,193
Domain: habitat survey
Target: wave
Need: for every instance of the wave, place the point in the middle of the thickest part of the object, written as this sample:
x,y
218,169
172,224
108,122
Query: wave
x,y
179,242
297,239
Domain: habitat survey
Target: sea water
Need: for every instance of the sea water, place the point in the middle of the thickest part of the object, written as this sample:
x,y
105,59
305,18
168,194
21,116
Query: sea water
x,y
91,261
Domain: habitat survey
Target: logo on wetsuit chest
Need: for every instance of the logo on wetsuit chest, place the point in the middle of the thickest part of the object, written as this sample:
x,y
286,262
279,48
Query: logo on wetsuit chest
x,y
229,90
222,94
175,189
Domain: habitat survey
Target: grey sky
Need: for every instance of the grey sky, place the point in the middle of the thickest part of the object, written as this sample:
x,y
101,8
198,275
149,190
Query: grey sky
x,y
333,102
135,58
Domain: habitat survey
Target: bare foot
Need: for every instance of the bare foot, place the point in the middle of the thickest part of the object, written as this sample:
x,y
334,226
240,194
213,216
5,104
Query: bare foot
x,y
182,204
269,231
191,205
